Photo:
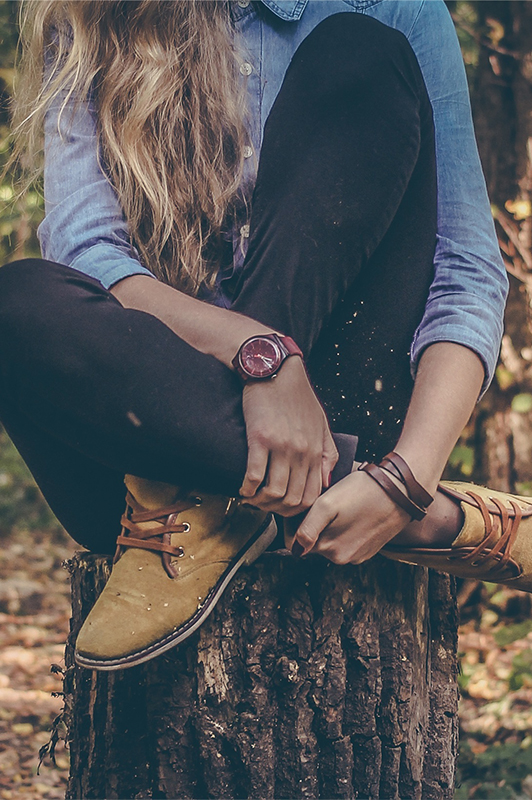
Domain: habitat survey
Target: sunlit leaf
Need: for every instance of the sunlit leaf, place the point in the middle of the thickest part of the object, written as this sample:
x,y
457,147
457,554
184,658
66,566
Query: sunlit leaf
x,y
6,193
520,209
504,377
496,30
463,457
522,403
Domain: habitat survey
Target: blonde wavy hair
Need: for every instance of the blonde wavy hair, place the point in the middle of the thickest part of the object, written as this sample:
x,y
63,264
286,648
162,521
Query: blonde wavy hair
x,y
163,75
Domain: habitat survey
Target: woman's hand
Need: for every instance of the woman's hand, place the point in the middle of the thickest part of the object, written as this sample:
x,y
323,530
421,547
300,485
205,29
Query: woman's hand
x,y
355,518
291,452
350,522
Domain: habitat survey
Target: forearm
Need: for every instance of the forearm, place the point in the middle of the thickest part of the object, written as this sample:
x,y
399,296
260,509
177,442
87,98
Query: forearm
x,y
209,329
447,386
291,452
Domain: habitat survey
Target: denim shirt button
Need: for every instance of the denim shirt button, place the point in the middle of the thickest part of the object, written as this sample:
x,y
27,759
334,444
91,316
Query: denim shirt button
x,y
243,3
246,68
244,231
248,151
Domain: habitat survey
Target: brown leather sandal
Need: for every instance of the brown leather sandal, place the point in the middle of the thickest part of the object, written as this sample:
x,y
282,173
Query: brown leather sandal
x,y
495,543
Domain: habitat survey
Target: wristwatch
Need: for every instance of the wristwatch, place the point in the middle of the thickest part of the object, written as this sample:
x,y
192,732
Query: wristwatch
x,y
260,357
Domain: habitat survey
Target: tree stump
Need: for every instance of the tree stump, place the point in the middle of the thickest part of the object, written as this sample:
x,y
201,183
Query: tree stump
x,y
309,680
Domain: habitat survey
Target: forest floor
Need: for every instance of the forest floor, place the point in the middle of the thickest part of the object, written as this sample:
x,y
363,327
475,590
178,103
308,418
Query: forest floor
x,y
496,677
34,619
495,648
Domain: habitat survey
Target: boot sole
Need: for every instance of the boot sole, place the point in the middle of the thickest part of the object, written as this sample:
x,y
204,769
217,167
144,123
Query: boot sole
x,y
257,545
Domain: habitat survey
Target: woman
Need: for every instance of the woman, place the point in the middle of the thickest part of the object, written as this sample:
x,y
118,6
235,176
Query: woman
x,y
366,254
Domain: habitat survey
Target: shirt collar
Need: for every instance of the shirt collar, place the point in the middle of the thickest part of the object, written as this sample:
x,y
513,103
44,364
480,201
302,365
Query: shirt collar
x,y
289,10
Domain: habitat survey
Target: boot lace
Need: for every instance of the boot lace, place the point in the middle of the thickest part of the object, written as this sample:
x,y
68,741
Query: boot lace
x,y
158,537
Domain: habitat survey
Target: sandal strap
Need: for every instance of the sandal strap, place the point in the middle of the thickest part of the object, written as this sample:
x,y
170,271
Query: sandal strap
x,y
397,466
394,493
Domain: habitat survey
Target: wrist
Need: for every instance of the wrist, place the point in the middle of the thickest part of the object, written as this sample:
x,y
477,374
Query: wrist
x,y
260,357
426,465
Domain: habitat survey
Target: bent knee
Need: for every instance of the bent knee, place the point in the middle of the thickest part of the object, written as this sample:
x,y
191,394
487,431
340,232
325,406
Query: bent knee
x,y
354,47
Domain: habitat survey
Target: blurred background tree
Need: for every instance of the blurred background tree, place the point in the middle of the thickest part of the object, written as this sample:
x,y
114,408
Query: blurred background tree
x,y
497,43
19,215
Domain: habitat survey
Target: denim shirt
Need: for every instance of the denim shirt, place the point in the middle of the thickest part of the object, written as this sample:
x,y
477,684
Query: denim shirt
x,y
84,225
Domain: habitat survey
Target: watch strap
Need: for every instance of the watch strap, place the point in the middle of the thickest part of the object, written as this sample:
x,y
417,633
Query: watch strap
x,y
290,346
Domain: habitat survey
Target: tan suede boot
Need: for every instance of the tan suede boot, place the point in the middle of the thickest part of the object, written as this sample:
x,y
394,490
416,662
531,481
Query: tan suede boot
x,y
495,543
175,556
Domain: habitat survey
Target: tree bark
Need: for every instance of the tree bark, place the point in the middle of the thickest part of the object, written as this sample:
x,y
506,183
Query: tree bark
x,y
308,680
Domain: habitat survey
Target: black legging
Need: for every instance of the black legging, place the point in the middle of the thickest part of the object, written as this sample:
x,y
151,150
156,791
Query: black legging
x,y
342,238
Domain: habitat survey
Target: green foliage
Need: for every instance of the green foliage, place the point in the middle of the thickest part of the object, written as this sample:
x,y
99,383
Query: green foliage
x,y
522,403
524,487
466,19
8,32
464,675
463,459
511,633
19,215
496,773
505,379
521,674
21,504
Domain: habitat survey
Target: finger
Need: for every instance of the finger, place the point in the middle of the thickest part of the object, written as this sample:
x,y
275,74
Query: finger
x,y
319,516
290,526
295,490
255,470
270,496
329,457
313,487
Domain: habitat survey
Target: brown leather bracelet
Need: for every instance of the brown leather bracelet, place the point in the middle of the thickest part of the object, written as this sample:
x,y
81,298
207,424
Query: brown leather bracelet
x,y
379,475
397,466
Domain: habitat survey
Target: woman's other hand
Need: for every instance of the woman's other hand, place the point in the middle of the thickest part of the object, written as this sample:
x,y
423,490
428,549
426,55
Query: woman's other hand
x,y
291,452
355,518
350,522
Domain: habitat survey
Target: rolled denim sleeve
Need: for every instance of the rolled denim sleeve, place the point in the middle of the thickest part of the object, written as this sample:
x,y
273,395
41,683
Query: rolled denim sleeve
x,y
84,226
468,294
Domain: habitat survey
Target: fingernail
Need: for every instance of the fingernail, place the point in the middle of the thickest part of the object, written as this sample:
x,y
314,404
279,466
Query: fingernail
x,y
297,549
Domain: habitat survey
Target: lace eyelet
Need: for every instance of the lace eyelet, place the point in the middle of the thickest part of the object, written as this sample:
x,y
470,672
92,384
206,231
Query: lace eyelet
x,y
181,552
198,501
186,527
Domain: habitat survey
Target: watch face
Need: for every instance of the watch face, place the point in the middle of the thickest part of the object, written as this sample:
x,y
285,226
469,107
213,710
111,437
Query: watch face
x,y
260,358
